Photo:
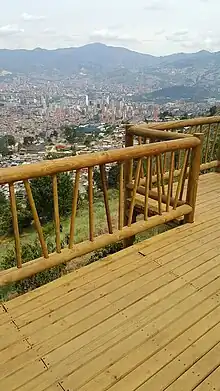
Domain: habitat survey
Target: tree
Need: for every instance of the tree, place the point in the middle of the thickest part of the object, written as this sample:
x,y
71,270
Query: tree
x,y
23,214
97,179
3,146
212,111
28,140
113,176
42,191
10,139
70,133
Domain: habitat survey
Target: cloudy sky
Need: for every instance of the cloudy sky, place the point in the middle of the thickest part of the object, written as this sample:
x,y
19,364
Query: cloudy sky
x,y
151,26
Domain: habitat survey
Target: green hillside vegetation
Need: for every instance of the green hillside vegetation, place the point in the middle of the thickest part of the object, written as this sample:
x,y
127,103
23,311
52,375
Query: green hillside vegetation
x,y
180,92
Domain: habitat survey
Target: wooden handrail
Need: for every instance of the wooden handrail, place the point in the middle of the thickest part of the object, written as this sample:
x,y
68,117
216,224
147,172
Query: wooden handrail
x,y
182,123
52,167
134,162
155,134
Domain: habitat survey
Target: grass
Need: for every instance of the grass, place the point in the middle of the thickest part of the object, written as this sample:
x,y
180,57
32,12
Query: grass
x,y
82,224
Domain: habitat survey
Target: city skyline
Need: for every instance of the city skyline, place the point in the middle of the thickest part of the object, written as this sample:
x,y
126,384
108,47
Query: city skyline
x,y
153,26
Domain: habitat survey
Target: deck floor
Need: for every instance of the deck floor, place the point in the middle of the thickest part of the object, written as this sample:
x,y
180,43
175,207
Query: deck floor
x,y
146,319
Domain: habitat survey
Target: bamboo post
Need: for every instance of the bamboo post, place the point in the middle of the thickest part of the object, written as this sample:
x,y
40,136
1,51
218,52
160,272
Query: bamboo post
x,y
121,199
147,183
136,182
36,219
56,214
170,182
194,171
218,157
207,143
91,209
74,208
129,140
181,181
15,224
159,185
214,141
105,194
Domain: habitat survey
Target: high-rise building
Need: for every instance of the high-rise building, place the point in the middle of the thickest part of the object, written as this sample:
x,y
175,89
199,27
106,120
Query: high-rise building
x,y
87,100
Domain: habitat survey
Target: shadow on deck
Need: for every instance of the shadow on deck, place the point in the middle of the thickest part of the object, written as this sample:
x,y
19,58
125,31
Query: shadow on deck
x,y
146,318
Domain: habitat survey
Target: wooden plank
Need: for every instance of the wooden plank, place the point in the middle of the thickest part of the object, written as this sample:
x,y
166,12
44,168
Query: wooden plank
x,y
23,375
179,331
177,268
39,302
13,351
194,241
161,314
80,323
208,357
211,383
60,282
93,301
17,363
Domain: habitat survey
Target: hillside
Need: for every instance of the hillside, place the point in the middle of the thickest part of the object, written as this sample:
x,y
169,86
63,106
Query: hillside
x,y
196,94
110,65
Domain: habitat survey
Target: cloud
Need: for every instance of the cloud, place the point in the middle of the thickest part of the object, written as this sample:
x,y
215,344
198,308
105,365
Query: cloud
x,y
10,29
156,5
31,18
107,35
178,36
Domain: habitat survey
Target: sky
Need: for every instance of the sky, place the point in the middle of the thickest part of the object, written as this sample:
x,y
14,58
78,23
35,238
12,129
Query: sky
x,y
157,27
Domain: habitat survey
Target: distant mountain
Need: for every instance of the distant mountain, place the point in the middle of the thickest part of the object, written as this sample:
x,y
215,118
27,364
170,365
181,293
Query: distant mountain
x,y
174,93
197,73
96,56
92,56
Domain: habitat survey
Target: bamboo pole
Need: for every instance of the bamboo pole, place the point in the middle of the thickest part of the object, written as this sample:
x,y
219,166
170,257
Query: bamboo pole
x,y
51,167
56,214
214,141
161,175
194,171
91,209
158,186
185,175
74,208
128,167
142,169
153,194
147,183
15,225
36,219
41,264
181,178
207,143
136,181
170,182
105,194
121,197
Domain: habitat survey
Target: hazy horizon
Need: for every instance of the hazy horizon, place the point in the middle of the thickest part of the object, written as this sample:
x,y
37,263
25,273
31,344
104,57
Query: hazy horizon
x,y
153,27
108,45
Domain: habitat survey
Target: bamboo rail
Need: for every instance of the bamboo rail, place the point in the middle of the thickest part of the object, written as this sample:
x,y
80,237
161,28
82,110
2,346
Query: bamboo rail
x,y
41,264
56,214
150,160
15,224
52,167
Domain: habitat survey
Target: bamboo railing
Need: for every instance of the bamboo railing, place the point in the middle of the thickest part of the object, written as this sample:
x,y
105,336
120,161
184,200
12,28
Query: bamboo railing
x,y
135,179
208,126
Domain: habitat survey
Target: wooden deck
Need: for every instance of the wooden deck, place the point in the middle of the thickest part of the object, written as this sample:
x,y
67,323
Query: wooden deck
x,y
146,319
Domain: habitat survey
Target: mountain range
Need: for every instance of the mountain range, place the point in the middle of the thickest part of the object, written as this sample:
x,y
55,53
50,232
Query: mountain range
x,y
98,56
120,65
